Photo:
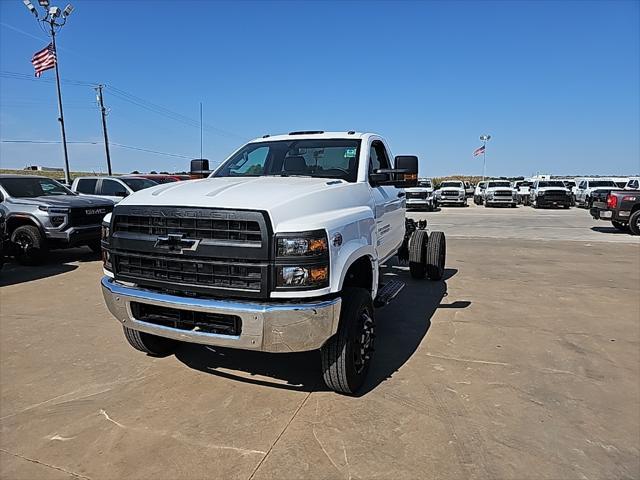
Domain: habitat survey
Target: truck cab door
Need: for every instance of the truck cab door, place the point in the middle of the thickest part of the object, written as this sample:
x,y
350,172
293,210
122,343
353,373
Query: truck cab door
x,y
389,205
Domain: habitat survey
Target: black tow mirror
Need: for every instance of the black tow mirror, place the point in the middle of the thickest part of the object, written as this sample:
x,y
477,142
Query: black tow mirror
x,y
200,168
404,175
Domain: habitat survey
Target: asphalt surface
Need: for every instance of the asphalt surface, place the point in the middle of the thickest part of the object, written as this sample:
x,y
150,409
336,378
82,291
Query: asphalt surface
x,y
523,364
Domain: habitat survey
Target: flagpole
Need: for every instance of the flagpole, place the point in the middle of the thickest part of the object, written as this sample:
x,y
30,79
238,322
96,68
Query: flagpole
x,y
484,139
484,160
67,174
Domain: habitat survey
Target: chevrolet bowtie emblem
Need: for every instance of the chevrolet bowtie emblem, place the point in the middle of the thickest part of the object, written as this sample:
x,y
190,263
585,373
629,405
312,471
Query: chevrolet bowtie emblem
x,y
175,242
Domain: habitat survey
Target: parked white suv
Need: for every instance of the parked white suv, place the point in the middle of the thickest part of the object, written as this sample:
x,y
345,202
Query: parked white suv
x,y
587,186
113,188
279,250
451,192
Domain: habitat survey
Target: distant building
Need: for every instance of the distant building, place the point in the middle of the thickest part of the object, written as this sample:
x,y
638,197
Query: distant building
x,y
40,168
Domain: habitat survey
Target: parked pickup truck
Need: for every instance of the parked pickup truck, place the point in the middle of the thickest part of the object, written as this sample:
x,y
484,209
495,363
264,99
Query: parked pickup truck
x,y
550,193
279,250
421,196
620,207
452,192
500,192
41,214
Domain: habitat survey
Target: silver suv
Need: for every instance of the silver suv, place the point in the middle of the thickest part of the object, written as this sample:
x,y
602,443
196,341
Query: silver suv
x,y
41,214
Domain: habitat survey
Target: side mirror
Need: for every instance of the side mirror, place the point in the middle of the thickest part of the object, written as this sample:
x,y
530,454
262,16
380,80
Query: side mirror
x,y
404,175
200,168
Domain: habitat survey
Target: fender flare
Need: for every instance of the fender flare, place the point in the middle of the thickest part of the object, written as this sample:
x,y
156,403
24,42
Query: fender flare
x,y
25,216
357,252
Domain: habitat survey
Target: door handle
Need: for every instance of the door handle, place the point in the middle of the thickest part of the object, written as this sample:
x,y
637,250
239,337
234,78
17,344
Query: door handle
x,y
401,194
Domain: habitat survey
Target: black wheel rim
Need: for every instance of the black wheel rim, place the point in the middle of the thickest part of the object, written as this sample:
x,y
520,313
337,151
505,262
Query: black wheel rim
x,y
363,341
24,242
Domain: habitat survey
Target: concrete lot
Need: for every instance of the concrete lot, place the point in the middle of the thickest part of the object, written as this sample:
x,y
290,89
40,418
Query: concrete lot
x,y
524,364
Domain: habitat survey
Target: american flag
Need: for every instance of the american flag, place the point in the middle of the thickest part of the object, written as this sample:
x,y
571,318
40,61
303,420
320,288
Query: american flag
x,y
478,151
43,60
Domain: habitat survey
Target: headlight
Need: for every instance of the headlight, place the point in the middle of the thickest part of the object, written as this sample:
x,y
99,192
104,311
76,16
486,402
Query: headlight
x,y
540,193
106,254
305,245
302,260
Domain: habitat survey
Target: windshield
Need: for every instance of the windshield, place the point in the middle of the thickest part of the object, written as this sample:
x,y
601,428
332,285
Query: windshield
x,y
136,184
522,184
33,187
322,158
551,184
569,183
499,184
601,183
424,183
451,184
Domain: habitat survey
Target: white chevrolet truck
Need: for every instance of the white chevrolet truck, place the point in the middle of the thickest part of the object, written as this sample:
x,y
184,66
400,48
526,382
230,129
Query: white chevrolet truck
x,y
279,250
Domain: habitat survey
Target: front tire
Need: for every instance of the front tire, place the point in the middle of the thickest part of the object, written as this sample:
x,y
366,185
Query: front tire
x,y
151,344
31,246
347,355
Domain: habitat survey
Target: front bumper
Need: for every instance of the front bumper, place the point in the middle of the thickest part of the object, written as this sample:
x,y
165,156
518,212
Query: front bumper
x,y
553,202
267,327
456,200
75,235
501,200
419,202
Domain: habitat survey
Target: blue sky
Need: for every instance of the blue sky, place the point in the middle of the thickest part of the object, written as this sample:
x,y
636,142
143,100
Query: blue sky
x,y
556,84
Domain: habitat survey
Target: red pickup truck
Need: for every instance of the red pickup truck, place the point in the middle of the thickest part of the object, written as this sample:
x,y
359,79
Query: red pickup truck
x,y
620,207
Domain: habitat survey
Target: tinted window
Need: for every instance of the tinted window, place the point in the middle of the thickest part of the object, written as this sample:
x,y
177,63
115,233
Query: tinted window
x,y
499,184
33,187
601,183
452,184
136,184
551,184
87,185
111,187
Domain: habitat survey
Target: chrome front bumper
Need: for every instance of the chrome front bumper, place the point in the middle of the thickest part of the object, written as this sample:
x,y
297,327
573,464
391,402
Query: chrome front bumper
x,y
268,327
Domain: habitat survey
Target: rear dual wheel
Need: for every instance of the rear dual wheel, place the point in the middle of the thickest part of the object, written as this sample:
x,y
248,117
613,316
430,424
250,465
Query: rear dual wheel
x,y
427,255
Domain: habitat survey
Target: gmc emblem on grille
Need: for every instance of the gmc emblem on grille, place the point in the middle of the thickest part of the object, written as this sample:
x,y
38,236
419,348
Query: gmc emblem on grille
x,y
175,242
95,211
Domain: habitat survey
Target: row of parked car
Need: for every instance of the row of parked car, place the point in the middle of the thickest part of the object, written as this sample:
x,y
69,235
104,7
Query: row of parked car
x,y
38,213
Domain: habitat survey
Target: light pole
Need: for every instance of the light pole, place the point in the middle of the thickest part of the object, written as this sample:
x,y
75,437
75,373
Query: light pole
x,y
55,18
485,139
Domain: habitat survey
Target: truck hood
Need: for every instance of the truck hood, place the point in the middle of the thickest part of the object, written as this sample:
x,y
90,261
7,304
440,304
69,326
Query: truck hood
x,y
64,201
284,198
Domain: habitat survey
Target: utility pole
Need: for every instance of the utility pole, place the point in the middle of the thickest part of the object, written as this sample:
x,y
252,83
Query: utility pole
x,y
103,112
200,129
51,14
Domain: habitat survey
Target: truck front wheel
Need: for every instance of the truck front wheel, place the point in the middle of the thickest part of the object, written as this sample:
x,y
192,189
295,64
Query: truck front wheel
x,y
347,355
151,344
31,246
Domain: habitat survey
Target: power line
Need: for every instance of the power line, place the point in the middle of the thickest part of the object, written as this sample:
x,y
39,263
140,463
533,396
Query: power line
x,y
129,147
31,78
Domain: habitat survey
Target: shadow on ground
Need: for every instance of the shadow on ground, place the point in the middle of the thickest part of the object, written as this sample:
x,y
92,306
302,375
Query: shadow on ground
x,y
401,326
608,230
58,262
